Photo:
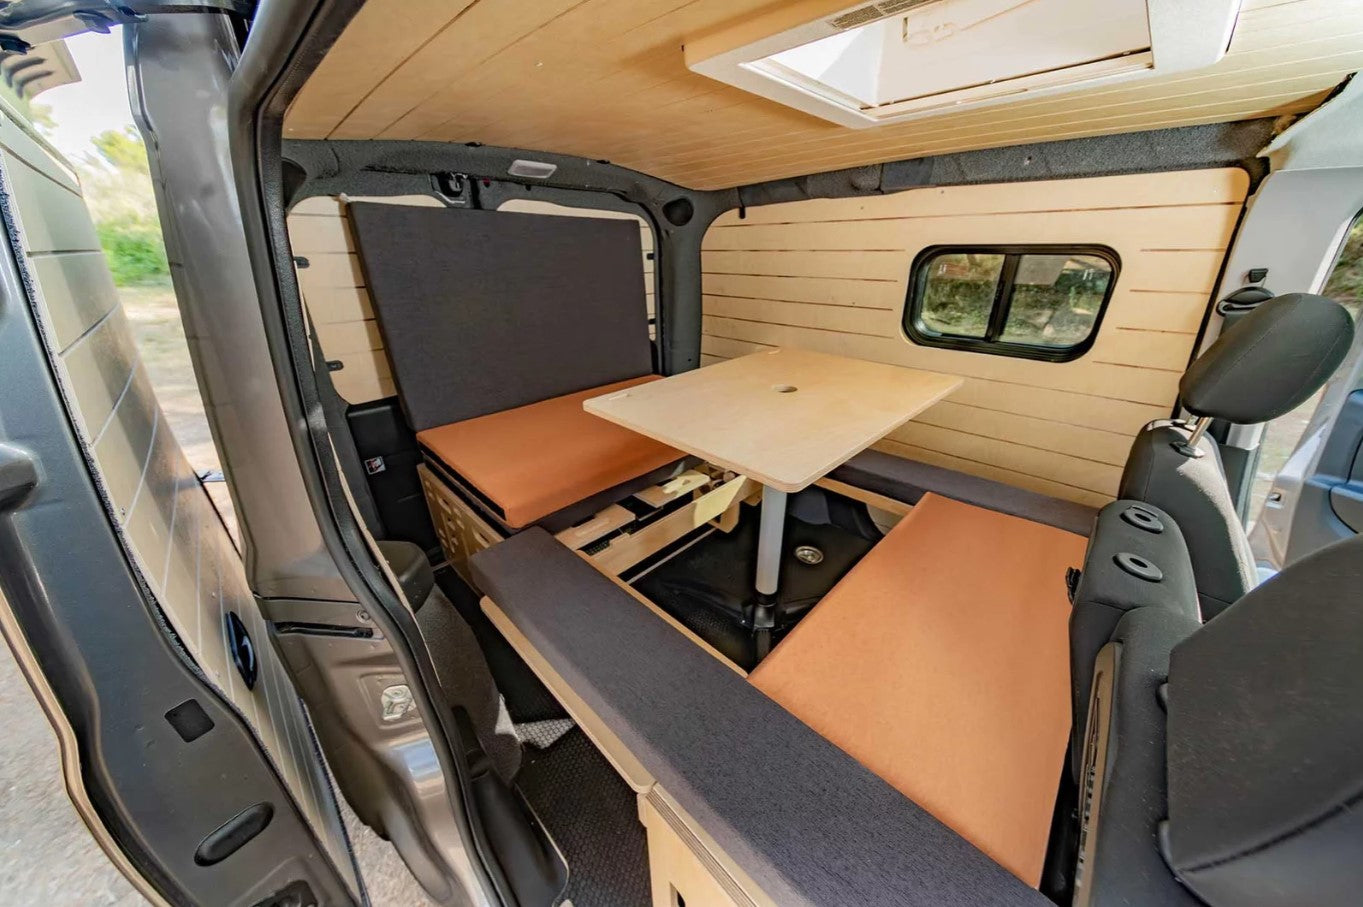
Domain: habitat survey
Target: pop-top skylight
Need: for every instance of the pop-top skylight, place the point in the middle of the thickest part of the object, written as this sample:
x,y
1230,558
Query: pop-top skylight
x,y
900,59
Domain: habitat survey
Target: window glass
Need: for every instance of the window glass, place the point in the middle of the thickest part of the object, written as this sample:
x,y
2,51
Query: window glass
x,y
1033,302
1056,299
960,292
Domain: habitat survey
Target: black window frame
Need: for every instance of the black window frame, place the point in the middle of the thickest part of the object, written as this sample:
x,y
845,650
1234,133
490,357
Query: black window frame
x,y
990,344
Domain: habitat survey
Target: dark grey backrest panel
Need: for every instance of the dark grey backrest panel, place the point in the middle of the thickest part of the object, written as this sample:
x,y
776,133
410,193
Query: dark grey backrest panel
x,y
908,480
1266,742
1193,491
808,823
483,311
1107,591
1127,868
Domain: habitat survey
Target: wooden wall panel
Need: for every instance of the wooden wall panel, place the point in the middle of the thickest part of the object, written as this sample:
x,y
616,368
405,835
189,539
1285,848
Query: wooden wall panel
x,y
333,290
832,275
607,79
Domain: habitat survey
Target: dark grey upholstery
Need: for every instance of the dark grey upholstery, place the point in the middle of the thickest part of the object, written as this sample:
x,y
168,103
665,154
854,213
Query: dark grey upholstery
x,y
412,569
1266,742
1270,361
908,480
804,820
1127,869
1193,491
1106,592
483,311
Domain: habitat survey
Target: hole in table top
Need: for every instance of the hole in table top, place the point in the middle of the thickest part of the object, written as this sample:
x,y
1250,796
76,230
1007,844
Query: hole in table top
x,y
784,388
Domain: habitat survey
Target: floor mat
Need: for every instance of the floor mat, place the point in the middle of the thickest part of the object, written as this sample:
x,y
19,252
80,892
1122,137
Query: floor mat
x,y
594,817
543,734
705,585
526,698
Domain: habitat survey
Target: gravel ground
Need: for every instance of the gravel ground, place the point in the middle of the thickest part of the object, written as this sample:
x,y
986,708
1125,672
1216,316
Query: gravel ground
x,y
46,854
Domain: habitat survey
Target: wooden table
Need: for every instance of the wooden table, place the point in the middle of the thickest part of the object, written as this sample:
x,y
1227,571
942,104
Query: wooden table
x,y
784,418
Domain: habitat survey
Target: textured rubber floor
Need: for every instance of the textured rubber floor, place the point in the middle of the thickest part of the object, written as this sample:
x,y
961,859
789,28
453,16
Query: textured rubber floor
x,y
593,816
706,586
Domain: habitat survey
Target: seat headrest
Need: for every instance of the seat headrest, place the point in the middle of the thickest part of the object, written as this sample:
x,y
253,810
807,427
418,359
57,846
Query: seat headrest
x,y
1264,741
1271,361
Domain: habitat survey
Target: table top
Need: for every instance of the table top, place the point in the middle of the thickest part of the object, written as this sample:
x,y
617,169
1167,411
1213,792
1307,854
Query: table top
x,y
783,417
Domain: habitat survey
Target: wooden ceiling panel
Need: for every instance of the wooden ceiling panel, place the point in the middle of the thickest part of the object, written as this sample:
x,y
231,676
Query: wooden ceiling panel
x,y
606,79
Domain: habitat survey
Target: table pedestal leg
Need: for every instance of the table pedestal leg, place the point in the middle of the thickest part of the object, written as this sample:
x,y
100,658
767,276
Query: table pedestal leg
x,y
769,540
768,565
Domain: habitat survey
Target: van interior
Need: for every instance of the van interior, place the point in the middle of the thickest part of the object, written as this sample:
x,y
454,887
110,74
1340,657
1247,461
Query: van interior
x,y
1018,647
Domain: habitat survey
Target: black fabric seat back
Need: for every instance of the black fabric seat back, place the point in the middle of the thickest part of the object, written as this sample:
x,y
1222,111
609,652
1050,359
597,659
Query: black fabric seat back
x,y
1136,559
1193,490
483,311
1265,742
1263,366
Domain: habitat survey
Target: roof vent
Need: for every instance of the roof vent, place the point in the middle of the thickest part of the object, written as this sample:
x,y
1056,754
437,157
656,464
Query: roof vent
x,y
863,15
899,60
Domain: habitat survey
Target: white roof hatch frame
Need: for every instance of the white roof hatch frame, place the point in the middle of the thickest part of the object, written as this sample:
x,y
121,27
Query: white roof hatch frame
x,y
897,60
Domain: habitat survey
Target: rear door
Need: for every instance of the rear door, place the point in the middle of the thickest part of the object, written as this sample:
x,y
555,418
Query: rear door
x,y
185,746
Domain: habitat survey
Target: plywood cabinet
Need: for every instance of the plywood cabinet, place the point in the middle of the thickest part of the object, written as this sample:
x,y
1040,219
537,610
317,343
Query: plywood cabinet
x,y
461,532
683,872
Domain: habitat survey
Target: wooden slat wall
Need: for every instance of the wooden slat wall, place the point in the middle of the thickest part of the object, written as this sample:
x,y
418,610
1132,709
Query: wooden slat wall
x,y
337,301
179,544
832,274
607,79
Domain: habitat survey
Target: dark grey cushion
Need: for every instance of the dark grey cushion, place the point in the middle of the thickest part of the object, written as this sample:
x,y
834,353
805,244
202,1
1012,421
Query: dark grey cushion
x,y
483,311
1270,361
1193,491
1106,592
1266,742
908,480
808,823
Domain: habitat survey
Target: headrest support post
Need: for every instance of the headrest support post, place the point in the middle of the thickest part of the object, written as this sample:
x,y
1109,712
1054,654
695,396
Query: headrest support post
x,y
1189,447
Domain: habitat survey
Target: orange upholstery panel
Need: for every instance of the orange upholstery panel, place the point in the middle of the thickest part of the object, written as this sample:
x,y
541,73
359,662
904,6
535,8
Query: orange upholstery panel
x,y
941,663
534,460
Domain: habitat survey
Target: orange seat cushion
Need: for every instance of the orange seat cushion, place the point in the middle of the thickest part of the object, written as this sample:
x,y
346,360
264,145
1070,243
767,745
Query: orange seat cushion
x,y
534,460
941,663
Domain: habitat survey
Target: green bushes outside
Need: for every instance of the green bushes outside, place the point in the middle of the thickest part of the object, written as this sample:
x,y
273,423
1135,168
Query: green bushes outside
x,y
135,250
116,180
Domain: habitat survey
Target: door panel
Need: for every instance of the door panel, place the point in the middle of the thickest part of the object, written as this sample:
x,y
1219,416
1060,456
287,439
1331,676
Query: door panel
x,y
169,563
1331,504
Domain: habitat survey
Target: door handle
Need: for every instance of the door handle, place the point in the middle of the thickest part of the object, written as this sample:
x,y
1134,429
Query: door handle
x,y
18,476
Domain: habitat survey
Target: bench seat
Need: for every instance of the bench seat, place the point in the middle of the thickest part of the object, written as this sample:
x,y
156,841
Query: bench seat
x,y
941,663
535,460
908,480
804,821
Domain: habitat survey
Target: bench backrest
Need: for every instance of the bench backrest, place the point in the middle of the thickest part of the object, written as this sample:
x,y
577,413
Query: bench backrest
x,y
483,311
